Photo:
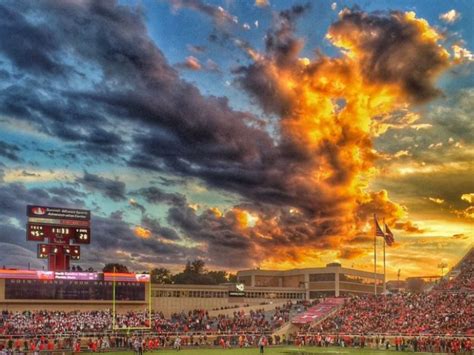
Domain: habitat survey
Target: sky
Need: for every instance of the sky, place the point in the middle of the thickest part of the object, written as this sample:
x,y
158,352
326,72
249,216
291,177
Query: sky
x,y
244,133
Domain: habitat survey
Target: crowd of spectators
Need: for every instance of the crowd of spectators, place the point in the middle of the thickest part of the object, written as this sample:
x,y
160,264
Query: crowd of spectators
x,y
464,281
405,313
447,309
440,320
46,322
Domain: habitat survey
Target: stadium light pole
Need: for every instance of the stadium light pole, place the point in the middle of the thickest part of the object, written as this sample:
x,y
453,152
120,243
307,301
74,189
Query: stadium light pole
x,y
442,266
375,254
398,280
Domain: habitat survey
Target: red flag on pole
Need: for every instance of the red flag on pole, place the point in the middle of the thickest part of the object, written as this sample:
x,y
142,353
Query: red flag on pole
x,y
378,231
389,238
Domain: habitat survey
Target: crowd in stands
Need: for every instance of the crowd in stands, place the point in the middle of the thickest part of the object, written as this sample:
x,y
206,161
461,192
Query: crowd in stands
x,y
445,310
464,281
44,322
440,320
410,313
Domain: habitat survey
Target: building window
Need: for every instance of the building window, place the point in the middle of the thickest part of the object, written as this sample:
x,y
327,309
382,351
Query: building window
x,y
322,277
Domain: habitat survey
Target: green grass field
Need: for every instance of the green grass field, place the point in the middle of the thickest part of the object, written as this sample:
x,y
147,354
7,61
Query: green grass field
x,y
275,351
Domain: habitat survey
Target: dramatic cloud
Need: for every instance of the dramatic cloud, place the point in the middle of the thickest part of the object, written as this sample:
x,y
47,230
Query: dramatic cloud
x,y
217,13
468,198
436,200
396,49
409,227
191,63
113,189
262,3
351,253
155,195
102,86
9,151
450,17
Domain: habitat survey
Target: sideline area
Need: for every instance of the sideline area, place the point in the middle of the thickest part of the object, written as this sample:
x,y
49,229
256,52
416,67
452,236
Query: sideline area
x,y
291,350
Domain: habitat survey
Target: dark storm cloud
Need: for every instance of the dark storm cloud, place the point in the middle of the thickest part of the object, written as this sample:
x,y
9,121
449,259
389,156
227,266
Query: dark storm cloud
x,y
260,79
9,151
15,197
59,116
113,189
225,245
281,43
182,131
154,226
155,195
217,13
66,192
114,234
394,49
28,47
19,257
127,87
110,234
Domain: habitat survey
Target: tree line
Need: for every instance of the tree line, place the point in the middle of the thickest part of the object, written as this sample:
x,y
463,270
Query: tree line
x,y
194,272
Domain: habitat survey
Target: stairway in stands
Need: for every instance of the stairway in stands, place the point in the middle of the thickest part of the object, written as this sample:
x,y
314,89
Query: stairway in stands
x,y
319,312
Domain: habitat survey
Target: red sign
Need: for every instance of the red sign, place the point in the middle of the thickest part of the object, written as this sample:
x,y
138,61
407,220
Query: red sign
x,y
130,277
58,213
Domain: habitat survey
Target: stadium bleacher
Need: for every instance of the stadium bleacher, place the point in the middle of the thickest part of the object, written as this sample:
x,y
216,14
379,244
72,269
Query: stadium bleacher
x,y
318,312
441,319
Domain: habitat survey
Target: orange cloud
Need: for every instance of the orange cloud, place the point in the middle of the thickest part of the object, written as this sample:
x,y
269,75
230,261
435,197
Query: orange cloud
x,y
192,63
450,17
436,200
141,232
330,111
409,227
468,198
351,253
262,3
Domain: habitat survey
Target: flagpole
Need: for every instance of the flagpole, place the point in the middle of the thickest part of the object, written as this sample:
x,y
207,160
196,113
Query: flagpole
x,y
384,283
375,254
384,242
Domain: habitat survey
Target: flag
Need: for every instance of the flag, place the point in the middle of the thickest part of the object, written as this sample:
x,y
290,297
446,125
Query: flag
x,y
389,239
378,231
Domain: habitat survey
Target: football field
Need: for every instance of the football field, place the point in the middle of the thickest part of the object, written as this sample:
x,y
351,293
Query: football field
x,y
275,351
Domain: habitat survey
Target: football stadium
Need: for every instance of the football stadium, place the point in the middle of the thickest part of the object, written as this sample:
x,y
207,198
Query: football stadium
x,y
301,311
208,177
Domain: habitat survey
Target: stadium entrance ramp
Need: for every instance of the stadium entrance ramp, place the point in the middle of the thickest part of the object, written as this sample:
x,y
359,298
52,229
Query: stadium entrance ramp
x,y
319,312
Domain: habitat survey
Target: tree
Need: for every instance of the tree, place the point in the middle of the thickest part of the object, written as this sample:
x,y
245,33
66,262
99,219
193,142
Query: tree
x,y
161,276
197,266
415,284
193,273
232,278
217,277
118,268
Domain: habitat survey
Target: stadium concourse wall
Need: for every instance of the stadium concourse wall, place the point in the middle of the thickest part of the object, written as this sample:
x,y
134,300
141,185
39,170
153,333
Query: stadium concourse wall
x,y
218,299
167,299
21,305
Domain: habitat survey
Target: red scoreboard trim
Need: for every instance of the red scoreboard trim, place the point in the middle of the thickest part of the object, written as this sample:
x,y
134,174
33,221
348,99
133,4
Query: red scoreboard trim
x,y
58,222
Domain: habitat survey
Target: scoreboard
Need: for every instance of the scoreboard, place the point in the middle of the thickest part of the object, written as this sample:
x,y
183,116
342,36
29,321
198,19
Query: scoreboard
x,y
56,228
61,235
